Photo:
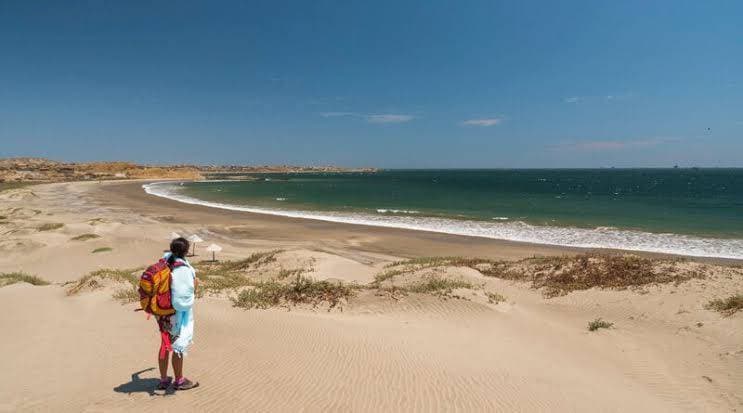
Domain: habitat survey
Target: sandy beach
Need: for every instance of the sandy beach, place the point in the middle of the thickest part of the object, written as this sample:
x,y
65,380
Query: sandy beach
x,y
377,351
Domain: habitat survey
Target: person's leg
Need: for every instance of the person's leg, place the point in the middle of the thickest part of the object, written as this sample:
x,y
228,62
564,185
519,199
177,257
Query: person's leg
x,y
181,383
177,365
163,364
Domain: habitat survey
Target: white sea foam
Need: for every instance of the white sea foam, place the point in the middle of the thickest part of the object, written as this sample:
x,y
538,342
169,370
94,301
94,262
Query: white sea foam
x,y
605,237
281,199
396,211
501,218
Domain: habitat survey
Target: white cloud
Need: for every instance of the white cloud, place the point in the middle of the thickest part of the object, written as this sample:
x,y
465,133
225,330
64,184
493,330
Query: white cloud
x,y
594,98
371,118
337,114
482,122
620,96
388,118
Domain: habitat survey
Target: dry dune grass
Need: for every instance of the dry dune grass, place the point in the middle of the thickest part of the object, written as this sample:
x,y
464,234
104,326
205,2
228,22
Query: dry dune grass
x,y
254,260
85,237
261,283
495,298
300,290
260,280
286,273
562,274
598,324
126,283
6,186
727,306
104,277
50,226
18,277
437,285
216,277
430,276
126,295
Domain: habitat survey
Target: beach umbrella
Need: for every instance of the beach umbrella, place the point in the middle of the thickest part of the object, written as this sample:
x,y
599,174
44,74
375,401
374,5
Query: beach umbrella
x,y
214,248
173,235
194,239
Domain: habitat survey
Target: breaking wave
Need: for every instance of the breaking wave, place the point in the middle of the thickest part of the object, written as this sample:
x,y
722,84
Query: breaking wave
x,y
396,211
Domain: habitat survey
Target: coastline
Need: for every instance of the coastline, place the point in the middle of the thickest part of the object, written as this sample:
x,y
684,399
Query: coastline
x,y
396,241
392,240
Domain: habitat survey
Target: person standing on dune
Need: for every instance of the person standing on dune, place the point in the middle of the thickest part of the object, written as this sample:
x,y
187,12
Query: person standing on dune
x,y
180,326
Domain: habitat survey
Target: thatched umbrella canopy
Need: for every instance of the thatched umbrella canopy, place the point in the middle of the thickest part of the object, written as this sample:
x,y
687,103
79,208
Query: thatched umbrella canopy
x,y
194,239
214,249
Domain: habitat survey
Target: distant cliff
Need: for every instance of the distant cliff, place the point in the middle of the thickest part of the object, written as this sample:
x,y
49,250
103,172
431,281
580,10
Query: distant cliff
x,y
45,170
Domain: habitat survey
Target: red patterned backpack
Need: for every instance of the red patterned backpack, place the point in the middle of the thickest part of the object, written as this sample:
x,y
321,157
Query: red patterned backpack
x,y
154,288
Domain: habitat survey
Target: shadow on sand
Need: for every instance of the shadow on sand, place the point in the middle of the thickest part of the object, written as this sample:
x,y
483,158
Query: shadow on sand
x,y
140,385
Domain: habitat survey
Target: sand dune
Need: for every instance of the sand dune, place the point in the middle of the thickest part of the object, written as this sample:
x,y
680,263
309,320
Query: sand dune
x,y
382,352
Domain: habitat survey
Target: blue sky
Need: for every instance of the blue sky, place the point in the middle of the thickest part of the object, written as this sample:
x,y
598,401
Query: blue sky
x,y
375,83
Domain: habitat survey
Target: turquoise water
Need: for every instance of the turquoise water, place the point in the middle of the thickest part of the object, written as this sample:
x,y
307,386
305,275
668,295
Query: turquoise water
x,y
686,211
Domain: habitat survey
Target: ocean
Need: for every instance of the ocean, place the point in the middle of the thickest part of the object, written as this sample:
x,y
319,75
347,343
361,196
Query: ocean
x,y
696,212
